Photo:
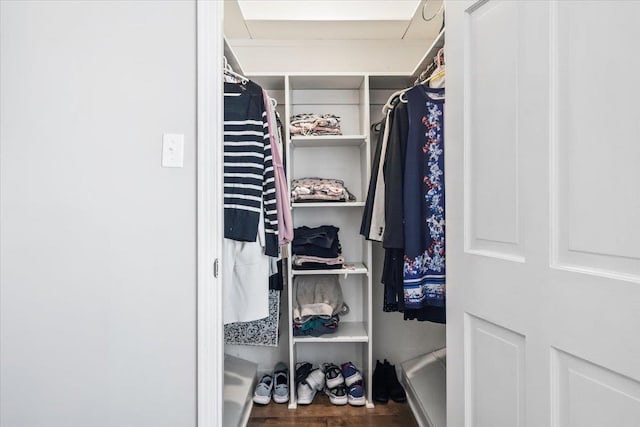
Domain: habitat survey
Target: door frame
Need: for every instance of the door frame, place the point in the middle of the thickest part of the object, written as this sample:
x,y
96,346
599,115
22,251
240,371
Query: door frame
x,y
210,332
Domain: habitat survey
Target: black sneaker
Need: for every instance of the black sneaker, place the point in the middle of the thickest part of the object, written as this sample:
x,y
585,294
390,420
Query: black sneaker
x,y
302,371
396,391
380,387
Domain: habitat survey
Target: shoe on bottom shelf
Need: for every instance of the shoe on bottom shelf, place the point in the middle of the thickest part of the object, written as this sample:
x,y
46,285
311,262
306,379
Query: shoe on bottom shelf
x,y
355,394
380,387
396,391
333,376
302,371
280,383
337,395
262,393
306,393
350,373
316,378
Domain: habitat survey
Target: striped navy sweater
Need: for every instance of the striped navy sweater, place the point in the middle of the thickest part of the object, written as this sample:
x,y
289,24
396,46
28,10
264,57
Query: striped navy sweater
x,y
249,183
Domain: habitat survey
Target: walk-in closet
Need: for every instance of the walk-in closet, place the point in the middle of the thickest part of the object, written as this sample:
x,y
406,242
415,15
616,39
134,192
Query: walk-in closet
x,y
319,213
331,131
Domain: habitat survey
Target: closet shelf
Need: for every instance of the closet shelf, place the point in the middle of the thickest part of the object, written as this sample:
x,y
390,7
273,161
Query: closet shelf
x,y
347,332
437,44
328,205
328,141
356,268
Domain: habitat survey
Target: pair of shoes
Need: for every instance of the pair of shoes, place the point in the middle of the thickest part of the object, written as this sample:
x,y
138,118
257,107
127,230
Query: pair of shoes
x,y
344,384
354,381
305,392
274,386
386,385
334,385
312,381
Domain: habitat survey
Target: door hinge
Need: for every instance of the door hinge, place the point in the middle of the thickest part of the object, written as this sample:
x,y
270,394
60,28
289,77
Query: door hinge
x,y
215,268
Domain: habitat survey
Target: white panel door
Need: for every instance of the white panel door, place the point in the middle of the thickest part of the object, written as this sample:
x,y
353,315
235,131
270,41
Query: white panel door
x,y
543,204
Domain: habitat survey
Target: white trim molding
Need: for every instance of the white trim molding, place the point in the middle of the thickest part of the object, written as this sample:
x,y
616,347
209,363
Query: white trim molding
x,y
210,350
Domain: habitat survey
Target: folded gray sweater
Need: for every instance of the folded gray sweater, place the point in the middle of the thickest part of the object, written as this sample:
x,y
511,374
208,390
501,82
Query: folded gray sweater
x,y
316,296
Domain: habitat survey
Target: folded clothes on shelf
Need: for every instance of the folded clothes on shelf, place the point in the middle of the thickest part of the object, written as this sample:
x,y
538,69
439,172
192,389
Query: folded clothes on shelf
x,y
304,262
314,124
324,236
313,250
320,190
316,248
317,295
318,304
316,326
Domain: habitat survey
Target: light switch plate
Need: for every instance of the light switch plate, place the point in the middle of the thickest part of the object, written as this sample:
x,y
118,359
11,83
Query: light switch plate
x,y
172,150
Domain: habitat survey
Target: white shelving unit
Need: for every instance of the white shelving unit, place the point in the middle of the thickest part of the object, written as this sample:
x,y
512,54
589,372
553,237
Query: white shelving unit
x,y
346,157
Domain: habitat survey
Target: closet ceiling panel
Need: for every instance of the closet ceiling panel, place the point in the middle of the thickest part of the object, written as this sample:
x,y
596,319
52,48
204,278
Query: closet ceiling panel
x,y
326,30
334,20
328,10
234,26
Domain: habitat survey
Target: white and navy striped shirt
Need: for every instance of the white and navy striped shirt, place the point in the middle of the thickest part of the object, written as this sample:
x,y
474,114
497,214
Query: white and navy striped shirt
x,y
249,183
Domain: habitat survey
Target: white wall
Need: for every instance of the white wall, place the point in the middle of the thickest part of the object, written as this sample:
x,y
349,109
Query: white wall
x,y
97,241
362,56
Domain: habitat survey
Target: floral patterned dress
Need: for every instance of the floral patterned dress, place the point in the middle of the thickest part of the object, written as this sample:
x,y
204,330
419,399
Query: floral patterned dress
x,y
424,192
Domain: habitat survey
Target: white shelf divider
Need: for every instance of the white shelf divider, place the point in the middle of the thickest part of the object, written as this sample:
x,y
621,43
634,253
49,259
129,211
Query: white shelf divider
x,y
327,204
357,268
346,332
328,141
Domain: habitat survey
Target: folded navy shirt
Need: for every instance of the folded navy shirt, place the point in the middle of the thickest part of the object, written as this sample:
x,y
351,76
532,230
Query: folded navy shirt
x,y
322,236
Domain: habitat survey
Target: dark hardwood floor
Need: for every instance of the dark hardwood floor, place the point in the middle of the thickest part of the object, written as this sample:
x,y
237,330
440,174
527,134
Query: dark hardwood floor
x,y
321,413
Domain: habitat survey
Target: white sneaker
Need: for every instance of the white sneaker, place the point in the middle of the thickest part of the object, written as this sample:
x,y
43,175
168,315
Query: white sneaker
x,y
316,378
264,388
337,395
306,393
333,376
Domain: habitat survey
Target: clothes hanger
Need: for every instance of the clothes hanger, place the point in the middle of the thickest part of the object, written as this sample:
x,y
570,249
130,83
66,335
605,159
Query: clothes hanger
x,y
436,68
434,76
388,105
228,71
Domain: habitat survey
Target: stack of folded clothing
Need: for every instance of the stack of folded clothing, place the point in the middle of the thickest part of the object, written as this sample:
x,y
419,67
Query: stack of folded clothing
x,y
316,248
318,325
318,303
320,190
314,124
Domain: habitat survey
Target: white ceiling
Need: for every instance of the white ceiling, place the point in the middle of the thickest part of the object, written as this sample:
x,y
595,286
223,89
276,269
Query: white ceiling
x,y
328,10
331,20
